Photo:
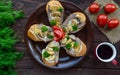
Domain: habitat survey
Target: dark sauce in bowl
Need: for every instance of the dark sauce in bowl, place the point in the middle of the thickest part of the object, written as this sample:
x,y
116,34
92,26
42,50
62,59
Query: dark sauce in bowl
x,y
105,52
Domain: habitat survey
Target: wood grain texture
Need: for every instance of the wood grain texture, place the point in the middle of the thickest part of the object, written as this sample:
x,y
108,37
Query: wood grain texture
x,y
90,65
68,72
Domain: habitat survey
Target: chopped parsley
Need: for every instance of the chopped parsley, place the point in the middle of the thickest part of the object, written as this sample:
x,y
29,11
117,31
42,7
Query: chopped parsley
x,y
60,9
50,36
44,28
67,37
76,44
55,48
75,27
46,54
53,22
68,46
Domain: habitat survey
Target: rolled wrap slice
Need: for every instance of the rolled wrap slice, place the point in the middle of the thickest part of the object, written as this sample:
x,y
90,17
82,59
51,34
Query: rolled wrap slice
x,y
74,22
50,55
40,32
55,12
73,46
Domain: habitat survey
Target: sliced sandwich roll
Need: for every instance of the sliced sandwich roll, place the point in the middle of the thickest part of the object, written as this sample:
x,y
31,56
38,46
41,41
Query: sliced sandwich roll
x,y
40,32
73,46
74,22
55,12
50,55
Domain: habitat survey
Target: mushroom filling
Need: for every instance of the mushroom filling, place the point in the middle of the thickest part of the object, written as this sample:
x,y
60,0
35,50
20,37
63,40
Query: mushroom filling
x,y
50,53
44,31
72,25
71,44
55,14
33,32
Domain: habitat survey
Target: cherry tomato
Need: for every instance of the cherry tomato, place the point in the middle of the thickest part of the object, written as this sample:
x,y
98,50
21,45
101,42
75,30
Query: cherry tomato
x,y
102,20
109,8
94,8
113,23
59,33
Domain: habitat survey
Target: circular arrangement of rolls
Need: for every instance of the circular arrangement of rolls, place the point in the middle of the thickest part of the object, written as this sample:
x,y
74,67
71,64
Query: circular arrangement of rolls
x,y
72,44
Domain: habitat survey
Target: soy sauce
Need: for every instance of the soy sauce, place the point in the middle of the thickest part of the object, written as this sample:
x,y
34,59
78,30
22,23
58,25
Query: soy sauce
x,y
105,52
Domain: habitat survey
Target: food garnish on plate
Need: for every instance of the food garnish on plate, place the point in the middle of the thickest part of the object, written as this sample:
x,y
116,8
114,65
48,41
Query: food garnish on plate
x,y
55,12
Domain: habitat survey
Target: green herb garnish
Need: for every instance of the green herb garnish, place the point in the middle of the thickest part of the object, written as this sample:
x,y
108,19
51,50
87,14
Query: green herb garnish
x,y
44,28
75,27
53,22
60,9
68,46
55,48
46,54
68,37
76,44
50,36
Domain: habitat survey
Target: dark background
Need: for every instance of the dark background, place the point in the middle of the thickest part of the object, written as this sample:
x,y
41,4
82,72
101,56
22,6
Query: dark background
x,y
90,66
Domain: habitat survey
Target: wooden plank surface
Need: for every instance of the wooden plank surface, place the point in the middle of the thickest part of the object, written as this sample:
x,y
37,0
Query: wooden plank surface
x,y
90,65
68,72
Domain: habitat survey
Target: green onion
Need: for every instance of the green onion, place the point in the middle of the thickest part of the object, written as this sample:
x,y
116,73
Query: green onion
x,y
75,27
46,54
76,44
68,46
44,28
60,9
53,22
55,48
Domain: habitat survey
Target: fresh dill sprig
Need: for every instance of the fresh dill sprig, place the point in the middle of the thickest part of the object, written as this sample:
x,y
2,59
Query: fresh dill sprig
x,y
5,6
8,18
8,54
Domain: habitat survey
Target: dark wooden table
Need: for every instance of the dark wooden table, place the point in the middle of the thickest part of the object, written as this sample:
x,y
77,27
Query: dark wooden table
x,y
90,66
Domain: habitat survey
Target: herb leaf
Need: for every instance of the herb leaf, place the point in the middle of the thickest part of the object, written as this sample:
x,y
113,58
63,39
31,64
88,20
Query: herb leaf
x,y
44,28
68,37
76,44
75,27
46,54
55,48
60,9
50,36
68,46
53,22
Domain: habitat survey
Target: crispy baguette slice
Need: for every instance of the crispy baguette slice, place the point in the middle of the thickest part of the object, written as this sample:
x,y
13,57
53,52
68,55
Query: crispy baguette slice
x,y
36,34
31,33
79,50
55,12
50,60
74,22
